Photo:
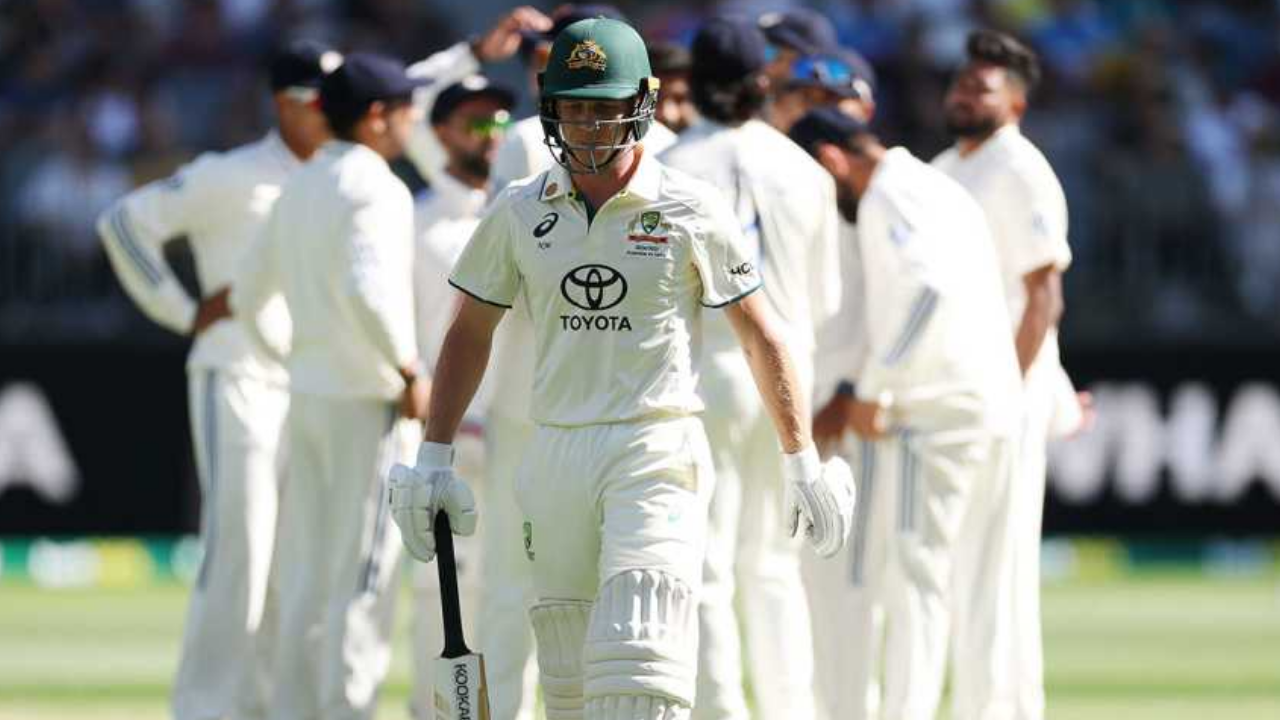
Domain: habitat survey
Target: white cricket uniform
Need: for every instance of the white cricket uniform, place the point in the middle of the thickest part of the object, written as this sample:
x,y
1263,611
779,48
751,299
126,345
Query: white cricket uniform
x,y
939,353
785,203
847,619
339,248
443,69
615,483
238,398
1027,211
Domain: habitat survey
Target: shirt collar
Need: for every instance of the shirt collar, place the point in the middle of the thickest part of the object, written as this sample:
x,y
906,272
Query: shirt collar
x,y
646,183
1001,136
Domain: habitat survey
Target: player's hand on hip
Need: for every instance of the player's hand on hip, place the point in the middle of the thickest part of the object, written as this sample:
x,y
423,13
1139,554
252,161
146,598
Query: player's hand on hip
x,y
417,493
820,499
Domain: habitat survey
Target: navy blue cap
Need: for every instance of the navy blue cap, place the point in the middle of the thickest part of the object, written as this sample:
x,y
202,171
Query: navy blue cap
x,y
363,79
468,88
826,125
727,50
801,29
301,63
842,71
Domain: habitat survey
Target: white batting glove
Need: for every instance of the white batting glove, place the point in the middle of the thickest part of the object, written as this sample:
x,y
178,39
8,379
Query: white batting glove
x,y
419,492
820,499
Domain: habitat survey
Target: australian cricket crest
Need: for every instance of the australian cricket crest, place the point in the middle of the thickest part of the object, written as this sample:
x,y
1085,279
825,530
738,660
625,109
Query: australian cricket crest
x,y
648,235
587,54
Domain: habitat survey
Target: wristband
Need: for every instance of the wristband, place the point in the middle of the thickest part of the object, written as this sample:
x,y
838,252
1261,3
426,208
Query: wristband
x,y
804,466
435,455
847,389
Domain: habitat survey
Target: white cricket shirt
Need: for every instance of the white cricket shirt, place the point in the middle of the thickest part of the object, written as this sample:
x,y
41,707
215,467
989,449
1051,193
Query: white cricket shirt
x,y
219,202
523,154
842,339
938,335
616,306
785,203
1026,210
339,247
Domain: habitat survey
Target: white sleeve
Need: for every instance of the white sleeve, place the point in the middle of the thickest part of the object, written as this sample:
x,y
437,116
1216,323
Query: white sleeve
x,y
725,264
379,275
1033,220
889,250
135,229
487,269
443,69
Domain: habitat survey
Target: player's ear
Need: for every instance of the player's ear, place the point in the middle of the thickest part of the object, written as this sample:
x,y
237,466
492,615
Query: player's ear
x,y
377,114
833,159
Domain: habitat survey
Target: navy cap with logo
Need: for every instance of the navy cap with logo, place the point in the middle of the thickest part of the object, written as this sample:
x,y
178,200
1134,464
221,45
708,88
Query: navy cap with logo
x,y
469,88
301,64
363,79
806,31
727,50
826,125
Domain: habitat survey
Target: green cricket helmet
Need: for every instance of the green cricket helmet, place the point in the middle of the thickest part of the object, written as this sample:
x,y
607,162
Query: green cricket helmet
x,y
597,59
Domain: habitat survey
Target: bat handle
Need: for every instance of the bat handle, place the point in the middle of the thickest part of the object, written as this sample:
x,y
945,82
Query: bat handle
x,y
455,643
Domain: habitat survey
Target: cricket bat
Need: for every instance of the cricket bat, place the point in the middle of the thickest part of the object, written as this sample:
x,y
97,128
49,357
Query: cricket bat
x,y
461,691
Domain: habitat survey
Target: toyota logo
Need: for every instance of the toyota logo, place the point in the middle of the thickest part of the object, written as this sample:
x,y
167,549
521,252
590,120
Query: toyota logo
x,y
593,287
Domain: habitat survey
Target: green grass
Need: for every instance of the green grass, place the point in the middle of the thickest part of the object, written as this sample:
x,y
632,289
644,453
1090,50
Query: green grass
x,y
1154,647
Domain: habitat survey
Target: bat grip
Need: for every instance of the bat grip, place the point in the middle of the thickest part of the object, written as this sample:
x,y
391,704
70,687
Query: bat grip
x,y
455,644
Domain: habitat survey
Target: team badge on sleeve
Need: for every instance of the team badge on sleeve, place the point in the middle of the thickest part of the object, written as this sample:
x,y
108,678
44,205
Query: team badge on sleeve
x,y
587,54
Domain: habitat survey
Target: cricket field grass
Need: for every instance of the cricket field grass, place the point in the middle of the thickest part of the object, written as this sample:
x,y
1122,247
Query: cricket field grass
x,y
1155,646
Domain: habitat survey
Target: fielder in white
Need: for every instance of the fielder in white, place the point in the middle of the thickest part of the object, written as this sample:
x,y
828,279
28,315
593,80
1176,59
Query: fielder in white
x,y
614,255
1027,212
785,203
848,621
339,248
468,118
935,401
238,393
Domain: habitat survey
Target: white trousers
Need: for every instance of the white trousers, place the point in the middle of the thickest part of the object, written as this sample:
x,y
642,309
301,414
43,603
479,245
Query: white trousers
x,y
900,562
337,557
236,425
1027,516
620,509
751,576
846,600
494,581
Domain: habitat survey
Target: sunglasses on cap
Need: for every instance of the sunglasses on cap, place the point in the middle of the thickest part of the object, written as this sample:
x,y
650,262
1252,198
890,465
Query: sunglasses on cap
x,y
829,72
499,123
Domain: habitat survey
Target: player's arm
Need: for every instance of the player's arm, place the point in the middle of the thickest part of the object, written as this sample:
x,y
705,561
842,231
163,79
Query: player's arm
x,y
460,367
773,370
1044,310
134,231
486,273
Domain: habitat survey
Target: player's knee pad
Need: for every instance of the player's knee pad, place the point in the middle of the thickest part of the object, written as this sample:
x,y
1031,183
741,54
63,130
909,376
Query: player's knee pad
x,y
643,638
635,707
560,627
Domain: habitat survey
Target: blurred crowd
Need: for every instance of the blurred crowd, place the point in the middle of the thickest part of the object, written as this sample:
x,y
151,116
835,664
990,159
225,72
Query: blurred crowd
x,y
1160,118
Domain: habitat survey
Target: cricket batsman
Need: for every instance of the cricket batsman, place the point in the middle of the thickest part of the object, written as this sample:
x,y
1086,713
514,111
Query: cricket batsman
x,y
238,393
1027,212
615,255
785,203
